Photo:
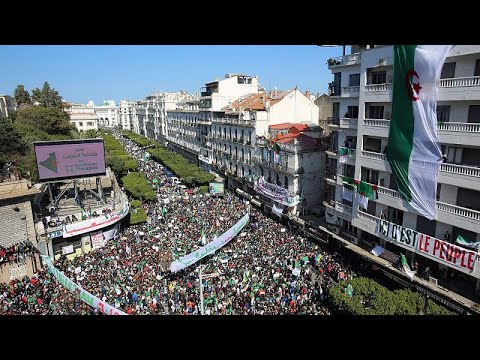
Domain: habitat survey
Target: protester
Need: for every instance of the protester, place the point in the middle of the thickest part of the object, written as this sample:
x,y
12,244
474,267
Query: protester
x,y
265,269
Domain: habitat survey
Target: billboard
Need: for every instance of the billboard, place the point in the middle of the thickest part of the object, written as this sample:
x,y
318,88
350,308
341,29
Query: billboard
x,y
58,160
216,188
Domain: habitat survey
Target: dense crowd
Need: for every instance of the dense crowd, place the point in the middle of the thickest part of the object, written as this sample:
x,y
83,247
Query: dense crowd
x,y
265,269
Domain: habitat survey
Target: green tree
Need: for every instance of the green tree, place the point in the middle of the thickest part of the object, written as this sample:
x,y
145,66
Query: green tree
x,y
11,141
91,134
52,121
22,97
47,97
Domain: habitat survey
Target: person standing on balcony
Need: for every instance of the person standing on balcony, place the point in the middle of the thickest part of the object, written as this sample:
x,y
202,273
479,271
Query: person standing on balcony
x,y
447,236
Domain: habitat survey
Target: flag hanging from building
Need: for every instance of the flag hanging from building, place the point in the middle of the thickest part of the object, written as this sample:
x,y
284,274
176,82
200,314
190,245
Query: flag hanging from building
x,y
367,190
413,149
276,148
407,269
468,243
362,201
344,153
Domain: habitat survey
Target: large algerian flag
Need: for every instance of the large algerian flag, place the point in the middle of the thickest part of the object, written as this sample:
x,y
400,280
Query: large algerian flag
x,y
413,148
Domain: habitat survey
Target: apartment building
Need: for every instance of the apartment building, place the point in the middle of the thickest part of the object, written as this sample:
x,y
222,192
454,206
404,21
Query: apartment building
x,y
361,96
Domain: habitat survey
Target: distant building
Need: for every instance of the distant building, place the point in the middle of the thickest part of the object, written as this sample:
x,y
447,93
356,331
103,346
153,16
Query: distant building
x,y
324,104
6,105
84,118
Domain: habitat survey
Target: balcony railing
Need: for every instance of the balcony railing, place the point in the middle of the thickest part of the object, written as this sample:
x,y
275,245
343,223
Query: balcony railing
x,y
367,216
350,90
376,122
460,170
342,208
460,127
378,87
349,122
350,59
457,210
239,122
457,82
373,155
388,192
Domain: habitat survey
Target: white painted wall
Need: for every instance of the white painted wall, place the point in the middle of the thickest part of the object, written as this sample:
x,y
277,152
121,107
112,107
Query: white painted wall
x,y
295,107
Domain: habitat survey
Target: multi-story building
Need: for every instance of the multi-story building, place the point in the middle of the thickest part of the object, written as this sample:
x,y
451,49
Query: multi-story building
x,y
324,104
82,116
6,106
219,131
125,114
292,158
183,131
107,114
361,97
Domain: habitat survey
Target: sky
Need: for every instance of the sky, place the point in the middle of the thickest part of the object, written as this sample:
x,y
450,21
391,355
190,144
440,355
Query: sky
x,y
81,73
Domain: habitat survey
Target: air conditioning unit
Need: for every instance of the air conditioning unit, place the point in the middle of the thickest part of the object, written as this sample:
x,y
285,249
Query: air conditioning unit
x,y
432,280
382,62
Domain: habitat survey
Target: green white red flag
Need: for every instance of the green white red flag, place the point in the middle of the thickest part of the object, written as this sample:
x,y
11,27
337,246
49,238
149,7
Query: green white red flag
x,y
413,150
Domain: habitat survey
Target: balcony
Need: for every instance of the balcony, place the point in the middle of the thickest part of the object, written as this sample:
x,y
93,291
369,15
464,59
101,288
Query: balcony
x,y
236,122
463,88
378,92
448,132
368,223
447,213
339,209
348,123
376,127
459,133
352,59
333,154
458,216
350,91
467,177
375,161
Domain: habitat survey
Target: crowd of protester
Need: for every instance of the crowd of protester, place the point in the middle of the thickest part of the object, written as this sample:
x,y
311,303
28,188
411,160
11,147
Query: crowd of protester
x,y
265,269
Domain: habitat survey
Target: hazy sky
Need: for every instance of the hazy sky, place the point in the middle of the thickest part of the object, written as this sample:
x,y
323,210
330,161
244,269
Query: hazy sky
x,y
102,72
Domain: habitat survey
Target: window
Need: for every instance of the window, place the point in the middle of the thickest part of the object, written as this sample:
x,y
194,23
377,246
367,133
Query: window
x,y
337,80
354,80
476,72
378,77
372,144
448,70
375,112
286,182
474,114
90,123
80,123
369,176
454,155
443,113
352,112
336,113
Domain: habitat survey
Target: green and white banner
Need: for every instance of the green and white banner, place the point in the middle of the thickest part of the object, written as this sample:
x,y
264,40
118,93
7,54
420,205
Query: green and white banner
x,y
406,268
413,149
471,244
85,296
210,248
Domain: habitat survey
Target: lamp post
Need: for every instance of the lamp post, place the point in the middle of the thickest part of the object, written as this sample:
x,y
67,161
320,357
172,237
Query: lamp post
x,y
202,277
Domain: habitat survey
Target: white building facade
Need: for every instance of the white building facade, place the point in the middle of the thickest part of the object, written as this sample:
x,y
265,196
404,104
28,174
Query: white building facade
x,y
125,114
6,105
361,97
